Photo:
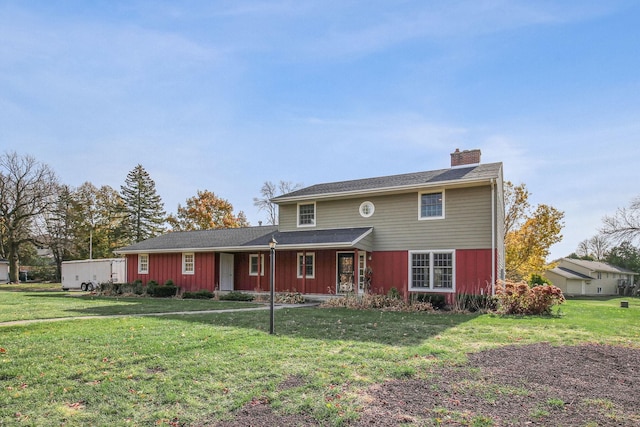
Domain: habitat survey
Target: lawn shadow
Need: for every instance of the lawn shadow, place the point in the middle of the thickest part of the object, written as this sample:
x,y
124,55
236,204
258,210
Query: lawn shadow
x,y
382,327
335,324
114,306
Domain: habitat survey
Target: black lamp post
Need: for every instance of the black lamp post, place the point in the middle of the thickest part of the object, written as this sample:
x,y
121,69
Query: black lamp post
x,y
272,281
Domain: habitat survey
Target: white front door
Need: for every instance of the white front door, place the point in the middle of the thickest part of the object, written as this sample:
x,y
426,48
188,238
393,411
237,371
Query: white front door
x,y
226,272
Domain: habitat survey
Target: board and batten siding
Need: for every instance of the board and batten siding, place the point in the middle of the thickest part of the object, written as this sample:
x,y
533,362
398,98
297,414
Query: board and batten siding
x,y
467,222
168,266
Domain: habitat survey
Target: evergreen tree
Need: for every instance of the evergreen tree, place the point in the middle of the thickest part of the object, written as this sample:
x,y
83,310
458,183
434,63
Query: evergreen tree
x,y
145,215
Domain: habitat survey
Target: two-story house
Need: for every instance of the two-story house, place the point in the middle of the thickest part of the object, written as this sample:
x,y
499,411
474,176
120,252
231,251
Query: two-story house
x,y
581,277
437,231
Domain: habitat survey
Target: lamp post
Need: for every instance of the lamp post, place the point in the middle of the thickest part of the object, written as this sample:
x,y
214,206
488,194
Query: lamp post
x,y
272,275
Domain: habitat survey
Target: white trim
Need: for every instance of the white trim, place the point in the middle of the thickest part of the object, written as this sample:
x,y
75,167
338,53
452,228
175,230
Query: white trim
x,y
260,264
302,274
140,263
185,255
431,270
430,218
315,214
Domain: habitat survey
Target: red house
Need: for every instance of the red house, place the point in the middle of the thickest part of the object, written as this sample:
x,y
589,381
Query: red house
x,y
437,231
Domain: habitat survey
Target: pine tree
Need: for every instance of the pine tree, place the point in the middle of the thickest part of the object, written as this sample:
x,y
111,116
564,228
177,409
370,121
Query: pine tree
x,y
143,206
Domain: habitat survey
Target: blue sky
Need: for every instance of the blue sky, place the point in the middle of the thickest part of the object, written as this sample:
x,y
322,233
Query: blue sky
x,y
225,95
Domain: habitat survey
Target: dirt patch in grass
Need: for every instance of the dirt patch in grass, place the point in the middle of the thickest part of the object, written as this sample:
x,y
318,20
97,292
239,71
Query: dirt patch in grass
x,y
586,385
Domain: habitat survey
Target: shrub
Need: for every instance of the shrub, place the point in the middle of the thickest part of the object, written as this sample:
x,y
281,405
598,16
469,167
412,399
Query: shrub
x,y
474,303
165,291
201,294
393,293
519,298
289,298
437,301
236,296
376,301
537,279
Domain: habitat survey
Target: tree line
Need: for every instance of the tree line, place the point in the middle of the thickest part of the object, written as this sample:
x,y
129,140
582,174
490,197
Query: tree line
x,y
37,211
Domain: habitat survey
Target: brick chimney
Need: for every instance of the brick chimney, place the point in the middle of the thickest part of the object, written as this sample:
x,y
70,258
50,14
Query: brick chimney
x,y
466,157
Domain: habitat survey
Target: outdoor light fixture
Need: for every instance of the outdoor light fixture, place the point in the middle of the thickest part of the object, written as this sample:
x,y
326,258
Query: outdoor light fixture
x,y
272,268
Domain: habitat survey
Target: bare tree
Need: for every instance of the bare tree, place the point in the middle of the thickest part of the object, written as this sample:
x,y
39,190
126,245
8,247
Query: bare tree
x,y
27,190
268,191
596,247
625,224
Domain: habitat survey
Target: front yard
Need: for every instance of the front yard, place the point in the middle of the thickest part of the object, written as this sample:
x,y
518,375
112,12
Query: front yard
x,y
323,366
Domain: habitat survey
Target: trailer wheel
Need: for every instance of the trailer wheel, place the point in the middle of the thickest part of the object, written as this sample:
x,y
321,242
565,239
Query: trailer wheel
x,y
83,286
90,286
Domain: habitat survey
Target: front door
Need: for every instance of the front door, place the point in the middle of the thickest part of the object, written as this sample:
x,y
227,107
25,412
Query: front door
x,y
226,272
345,273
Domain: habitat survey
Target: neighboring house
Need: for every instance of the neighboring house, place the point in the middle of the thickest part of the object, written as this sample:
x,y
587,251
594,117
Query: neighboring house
x,y
580,277
4,271
438,231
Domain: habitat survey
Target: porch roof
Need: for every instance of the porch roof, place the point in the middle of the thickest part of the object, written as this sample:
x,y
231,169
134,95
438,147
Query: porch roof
x,y
314,239
248,239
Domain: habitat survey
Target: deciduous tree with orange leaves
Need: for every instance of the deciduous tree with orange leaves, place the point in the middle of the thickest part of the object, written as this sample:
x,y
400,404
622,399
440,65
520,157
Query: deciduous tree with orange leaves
x,y
529,234
206,211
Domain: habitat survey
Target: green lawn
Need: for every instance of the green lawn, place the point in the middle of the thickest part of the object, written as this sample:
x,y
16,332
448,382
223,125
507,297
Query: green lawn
x,y
188,369
46,305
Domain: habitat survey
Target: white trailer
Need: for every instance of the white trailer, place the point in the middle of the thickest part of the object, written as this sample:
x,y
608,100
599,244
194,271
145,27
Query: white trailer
x,y
87,274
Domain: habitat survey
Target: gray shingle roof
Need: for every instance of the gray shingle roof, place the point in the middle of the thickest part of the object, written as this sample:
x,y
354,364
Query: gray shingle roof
x,y
598,266
570,274
249,238
471,173
337,237
200,240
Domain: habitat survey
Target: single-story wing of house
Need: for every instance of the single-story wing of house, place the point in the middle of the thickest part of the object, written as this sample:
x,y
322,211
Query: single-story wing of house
x,y
438,231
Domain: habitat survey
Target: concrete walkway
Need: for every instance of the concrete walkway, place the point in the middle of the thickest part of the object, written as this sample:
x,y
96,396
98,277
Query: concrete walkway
x,y
172,313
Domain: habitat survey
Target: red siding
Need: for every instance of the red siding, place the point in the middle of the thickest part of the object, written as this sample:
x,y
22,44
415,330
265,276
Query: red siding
x,y
323,282
163,267
473,271
390,270
244,281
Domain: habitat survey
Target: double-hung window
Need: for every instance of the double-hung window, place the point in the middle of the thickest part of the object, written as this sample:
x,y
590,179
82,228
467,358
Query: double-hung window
x,y
256,265
432,271
306,265
143,263
432,205
188,263
306,214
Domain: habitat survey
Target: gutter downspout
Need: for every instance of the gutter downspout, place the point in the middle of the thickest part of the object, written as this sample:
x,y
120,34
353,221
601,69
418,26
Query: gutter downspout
x,y
493,237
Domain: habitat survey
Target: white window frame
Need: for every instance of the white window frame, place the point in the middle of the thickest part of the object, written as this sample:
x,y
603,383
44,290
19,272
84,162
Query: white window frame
x,y
186,263
426,193
143,263
259,264
300,266
431,287
313,222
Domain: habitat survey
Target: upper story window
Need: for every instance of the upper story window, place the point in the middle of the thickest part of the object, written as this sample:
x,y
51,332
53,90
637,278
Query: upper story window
x,y
432,205
143,263
256,265
188,263
306,215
